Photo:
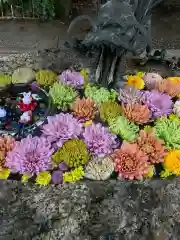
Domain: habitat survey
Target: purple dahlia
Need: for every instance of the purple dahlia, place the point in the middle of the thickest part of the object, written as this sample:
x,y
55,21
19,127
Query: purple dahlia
x,y
31,155
61,128
99,140
160,104
72,78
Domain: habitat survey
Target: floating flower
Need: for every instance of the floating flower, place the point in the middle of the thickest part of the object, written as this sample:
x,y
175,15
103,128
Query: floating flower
x,y
130,162
31,155
5,80
159,104
57,177
109,110
135,81
174,79
63,167
61,128
84,72
99,168
100,95
172,162
126,129
46,78
72,78
165,173
74,176
7,143
151,79
43,178
169,131
88,123
176,108
137,113
174,117
4,173
151,146
168,87
99,140
73,152
84,109
151,172
130,95
62,95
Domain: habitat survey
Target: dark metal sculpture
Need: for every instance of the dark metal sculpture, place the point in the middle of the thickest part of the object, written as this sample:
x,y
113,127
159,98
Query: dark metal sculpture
x,y
121,26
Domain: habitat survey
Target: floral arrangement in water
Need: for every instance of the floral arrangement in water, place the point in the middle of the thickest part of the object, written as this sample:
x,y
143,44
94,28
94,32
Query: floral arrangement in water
x,y
131,133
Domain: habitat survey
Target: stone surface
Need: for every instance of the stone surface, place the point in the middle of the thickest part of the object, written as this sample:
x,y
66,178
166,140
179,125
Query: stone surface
x,y
147,210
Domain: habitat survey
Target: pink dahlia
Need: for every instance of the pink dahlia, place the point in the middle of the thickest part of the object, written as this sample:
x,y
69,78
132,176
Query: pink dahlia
x,y
61,128
99,140
31,155
72,78
130,162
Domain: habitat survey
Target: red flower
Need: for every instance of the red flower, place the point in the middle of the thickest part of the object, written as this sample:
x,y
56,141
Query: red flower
x,y
27,107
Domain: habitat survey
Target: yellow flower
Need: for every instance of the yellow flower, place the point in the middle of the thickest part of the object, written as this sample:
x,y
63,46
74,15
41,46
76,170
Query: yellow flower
x,y
151,172
4,173
172,162
84,73
174,79
140,74
165,173
43,178
135,81
25,178
74,176
88,123
174,117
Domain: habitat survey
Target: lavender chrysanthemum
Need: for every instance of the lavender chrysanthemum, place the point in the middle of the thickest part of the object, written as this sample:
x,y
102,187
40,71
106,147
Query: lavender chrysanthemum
x,y
72,78
160,104
130,95
61,128
99,140
31,155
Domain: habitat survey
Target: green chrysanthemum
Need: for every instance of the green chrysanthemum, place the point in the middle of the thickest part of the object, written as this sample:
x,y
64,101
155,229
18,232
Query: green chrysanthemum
x,y
169,131
109,110
126,129
63,96
46,78
73,152
5,80
100,95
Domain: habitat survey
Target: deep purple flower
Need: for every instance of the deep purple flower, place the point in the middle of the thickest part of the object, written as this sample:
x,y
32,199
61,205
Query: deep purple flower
x,y
57,177
130,95
160,104
61,128
63,167
31,155
99,140
72,78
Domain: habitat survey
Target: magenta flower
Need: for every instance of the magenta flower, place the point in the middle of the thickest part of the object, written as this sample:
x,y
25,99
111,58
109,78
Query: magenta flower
x,y
72,78
31,155
160,104
61,128
99,140
130,95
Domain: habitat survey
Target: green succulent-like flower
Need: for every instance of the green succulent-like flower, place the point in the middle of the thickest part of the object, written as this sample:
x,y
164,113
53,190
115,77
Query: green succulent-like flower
x,y
126,129
63,96
100,95
109,110
5,80
73,152
169,131
46,78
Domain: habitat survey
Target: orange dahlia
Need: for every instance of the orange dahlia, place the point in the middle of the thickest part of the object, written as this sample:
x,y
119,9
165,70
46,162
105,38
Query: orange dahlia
x,y
151,146
169,87
6,145
130,162
84,109
137,113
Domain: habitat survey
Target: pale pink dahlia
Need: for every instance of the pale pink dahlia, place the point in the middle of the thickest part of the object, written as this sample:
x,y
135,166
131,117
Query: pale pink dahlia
x,y
61,128
31,155
130,162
